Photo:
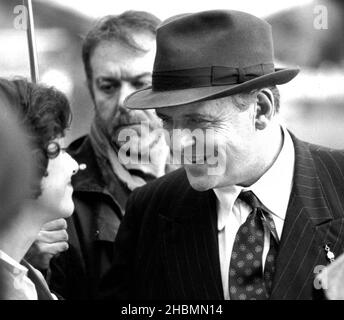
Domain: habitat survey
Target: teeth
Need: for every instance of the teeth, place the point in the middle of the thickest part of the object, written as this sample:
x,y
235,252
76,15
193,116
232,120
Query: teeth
x,y
198,160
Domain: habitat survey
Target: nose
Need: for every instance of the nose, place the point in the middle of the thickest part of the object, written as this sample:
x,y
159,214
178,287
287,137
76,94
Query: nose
x,y
126,90
72,164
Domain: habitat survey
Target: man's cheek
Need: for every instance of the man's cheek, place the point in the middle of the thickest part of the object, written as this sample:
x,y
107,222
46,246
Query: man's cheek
x,y
216,150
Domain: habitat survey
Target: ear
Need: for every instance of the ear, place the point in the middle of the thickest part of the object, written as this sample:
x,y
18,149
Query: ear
x,y
265,108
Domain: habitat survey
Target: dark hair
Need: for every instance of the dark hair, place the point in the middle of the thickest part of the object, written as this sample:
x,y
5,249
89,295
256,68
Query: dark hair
x,y
117,28
45,114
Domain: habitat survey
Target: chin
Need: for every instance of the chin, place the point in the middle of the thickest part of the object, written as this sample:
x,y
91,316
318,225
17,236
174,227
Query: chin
x,y
67,209
201,183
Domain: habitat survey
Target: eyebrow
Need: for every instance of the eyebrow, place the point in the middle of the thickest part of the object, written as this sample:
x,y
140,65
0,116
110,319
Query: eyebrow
x,y
130,79
199,115
188,116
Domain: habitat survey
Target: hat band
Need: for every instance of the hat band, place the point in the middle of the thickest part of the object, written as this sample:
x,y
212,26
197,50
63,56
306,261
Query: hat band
x,y
207,76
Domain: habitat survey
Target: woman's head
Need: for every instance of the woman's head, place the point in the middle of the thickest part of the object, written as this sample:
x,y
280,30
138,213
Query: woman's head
x,y
45,114
15,167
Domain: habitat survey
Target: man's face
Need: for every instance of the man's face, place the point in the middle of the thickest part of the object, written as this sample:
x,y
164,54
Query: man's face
x,y
117,71
229,137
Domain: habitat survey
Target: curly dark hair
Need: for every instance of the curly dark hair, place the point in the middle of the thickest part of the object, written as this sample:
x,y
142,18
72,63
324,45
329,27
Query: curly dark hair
x,y
45,114
117,28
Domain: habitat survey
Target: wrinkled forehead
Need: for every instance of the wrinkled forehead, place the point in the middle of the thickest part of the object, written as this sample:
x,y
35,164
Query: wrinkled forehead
x,y
211,108
114,57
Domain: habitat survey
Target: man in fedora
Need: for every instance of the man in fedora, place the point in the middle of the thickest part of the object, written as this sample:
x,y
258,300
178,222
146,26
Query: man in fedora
x,y
256,222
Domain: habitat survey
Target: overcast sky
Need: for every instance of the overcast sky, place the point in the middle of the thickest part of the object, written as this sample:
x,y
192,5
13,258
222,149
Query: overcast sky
x,y
164,9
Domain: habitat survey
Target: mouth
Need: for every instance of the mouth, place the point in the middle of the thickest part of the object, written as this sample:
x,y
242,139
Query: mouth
x,y
201,160
124,125
195,159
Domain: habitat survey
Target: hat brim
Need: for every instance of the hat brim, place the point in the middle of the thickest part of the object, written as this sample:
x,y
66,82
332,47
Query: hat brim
x,y
150,99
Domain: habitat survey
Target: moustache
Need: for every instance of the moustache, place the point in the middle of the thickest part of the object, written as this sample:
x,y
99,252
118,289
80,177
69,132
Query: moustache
x,y
133,117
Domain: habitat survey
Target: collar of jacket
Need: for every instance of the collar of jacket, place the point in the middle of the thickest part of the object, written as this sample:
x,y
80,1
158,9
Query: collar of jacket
x,y
90,179
43,292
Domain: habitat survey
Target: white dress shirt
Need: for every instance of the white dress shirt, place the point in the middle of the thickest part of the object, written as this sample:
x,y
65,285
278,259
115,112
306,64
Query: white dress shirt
x,y
16,282
273,190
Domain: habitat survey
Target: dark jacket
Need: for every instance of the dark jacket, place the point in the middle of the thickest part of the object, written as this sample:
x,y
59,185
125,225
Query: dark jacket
x,y
92,229
167,244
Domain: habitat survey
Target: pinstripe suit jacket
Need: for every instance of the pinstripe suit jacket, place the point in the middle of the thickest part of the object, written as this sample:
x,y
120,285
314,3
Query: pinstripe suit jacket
x,y
167,244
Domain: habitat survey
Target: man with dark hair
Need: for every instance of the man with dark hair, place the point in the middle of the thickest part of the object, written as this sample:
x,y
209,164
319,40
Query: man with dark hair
x,y
254,211
118,55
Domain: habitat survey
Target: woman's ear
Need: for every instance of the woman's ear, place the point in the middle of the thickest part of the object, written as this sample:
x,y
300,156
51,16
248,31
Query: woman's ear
x,y
265,108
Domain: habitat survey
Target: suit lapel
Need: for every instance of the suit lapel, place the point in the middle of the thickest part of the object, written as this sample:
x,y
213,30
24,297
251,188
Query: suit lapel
x,y
43,292
190,247
309,225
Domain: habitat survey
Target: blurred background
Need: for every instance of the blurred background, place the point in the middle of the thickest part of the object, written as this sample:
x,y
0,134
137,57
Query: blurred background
x,y
309,34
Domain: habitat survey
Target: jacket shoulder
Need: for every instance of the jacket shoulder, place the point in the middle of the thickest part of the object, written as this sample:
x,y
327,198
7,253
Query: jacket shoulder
x,y
329,165
169,188
328,156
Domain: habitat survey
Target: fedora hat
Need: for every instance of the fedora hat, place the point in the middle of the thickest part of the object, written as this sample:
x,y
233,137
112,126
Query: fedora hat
x,y
209,55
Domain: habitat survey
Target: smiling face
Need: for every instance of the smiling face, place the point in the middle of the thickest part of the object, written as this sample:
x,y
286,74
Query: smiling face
x,y
56,186
117,71
230,137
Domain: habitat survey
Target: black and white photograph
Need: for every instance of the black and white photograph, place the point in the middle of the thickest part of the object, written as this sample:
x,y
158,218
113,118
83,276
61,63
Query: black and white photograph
x,y
182,154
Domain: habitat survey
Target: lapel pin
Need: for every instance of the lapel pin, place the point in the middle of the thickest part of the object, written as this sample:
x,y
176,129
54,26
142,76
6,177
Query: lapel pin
x,y
330,255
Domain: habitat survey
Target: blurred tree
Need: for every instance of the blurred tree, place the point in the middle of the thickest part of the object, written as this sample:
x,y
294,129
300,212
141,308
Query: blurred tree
x,y
298,41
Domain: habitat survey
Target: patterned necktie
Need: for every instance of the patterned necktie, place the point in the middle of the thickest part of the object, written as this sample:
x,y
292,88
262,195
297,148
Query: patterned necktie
x,y
246,278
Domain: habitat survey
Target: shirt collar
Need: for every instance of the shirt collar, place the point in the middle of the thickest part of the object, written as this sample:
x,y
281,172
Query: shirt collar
x,y
17,267
274,187
226,197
